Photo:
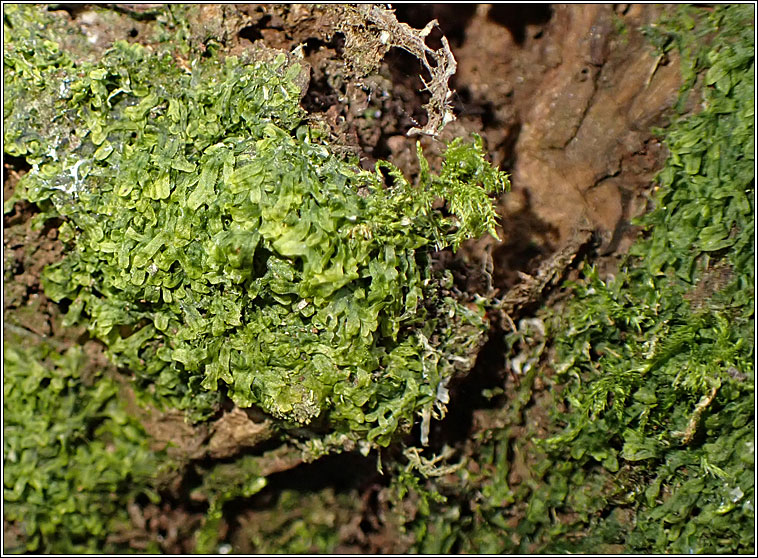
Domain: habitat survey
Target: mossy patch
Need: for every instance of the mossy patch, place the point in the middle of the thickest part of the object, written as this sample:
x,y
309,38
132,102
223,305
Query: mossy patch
x,y
215,239
73,457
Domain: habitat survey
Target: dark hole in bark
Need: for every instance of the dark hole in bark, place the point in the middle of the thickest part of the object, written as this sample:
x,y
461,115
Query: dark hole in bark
x,y
516,17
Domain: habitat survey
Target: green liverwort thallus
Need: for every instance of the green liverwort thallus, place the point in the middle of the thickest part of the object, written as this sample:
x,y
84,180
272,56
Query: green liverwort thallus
x,y
215,242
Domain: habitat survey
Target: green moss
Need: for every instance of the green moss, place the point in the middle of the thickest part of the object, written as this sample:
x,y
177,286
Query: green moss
x,y
73,458
215,240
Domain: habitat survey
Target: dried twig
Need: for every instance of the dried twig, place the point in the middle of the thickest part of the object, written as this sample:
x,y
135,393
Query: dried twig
x,y
702,405
532,286
440,63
